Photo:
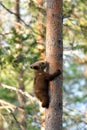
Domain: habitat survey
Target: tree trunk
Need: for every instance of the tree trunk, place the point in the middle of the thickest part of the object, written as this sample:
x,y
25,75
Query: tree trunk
x,y
54,55
17,9
21,98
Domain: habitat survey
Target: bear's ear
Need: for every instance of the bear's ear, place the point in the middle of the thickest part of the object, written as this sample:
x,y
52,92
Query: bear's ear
x,y
43,63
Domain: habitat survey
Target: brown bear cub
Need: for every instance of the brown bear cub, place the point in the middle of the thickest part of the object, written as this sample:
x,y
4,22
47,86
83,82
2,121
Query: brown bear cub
x,y
41,81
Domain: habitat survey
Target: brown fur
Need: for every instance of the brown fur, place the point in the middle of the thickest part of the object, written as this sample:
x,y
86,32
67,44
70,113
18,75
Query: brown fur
x,y
41,81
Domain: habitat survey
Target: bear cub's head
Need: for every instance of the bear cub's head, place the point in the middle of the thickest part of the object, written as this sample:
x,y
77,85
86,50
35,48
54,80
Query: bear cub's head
x,y
39,65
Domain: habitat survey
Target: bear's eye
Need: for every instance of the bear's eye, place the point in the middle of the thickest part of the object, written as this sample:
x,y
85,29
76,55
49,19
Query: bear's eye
x,y
42,63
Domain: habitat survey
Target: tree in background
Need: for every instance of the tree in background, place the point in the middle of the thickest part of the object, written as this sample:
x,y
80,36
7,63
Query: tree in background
x,y
74,37
19,48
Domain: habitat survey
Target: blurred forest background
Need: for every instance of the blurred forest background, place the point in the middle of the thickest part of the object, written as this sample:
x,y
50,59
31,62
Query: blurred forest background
x,y
22,42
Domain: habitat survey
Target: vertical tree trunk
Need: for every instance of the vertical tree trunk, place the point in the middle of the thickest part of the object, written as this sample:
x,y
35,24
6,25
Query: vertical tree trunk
x,y
21,98
54,53
17,9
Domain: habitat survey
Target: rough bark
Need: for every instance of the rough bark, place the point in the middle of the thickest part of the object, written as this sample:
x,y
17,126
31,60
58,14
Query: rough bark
x,y
54,54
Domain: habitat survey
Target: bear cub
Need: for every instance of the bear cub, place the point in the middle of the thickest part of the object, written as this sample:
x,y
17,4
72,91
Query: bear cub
x,y
41,81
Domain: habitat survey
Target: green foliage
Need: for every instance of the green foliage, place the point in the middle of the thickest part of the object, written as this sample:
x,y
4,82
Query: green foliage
x,y
8,3
18,49
7,95
32,108
74,91
68,8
